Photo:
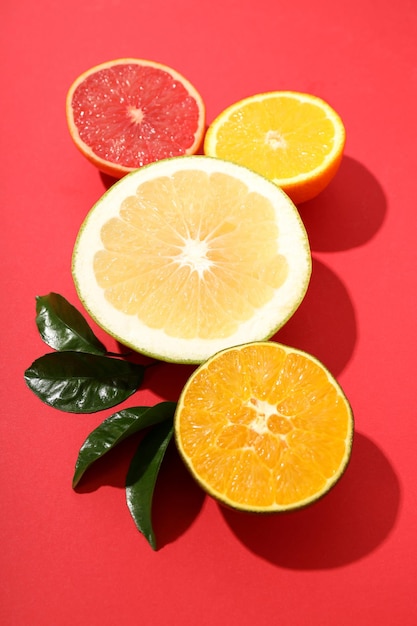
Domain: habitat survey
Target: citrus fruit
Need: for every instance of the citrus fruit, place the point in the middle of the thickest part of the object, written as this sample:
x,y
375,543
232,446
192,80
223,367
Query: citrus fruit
x,y
189,255
294,139
264,427
129,112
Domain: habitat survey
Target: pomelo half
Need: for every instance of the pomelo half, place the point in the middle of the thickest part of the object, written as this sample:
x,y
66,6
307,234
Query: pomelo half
x,y
190,255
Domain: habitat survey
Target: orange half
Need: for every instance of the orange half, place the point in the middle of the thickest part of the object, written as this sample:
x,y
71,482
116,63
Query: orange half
x,y
294,139
264,427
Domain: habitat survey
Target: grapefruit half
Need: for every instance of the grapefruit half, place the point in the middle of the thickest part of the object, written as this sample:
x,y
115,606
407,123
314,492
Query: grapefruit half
x,y
126,113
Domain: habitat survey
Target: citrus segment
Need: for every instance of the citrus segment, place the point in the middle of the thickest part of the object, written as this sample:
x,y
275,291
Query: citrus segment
x,y
190,255
264,427
126,113
294,139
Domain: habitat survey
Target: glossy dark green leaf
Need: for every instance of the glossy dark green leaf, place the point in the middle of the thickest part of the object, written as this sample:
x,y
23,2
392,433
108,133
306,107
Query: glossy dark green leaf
x,y
142,475
63,327
78,382
115,429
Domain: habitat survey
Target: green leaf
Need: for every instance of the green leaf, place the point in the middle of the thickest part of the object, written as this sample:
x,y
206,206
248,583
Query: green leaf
x,y
78,382
62,326
115,429
142,475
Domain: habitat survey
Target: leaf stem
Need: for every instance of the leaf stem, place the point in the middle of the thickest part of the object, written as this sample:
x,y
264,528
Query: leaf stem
x,y
152,364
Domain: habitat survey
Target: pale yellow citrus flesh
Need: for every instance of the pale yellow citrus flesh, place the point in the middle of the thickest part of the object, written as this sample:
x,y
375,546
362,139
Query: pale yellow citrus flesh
x,y
264,427
194,257
192,261
294,139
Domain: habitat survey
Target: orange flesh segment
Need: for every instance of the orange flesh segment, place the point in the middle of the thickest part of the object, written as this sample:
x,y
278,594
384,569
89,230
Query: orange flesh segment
x,y
295,145
264,427
142,113
194,254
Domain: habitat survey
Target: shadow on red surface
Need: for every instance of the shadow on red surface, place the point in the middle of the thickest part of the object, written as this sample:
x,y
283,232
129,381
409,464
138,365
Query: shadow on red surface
x,y
177,500
348,213
325,323
353,519
348,523
168,379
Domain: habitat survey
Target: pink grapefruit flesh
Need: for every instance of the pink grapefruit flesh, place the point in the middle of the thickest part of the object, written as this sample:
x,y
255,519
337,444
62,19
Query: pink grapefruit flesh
x,y
128,113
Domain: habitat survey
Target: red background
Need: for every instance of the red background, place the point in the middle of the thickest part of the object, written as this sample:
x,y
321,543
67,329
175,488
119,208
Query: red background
x,y
76,558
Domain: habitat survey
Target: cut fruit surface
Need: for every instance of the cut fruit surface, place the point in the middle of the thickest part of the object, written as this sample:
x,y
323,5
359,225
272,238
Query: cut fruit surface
x,y
294,139
127,113
263,427
190,255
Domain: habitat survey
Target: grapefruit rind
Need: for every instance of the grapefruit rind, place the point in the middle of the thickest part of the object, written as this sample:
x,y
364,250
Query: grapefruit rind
x,y
303,186
274,508
129,330
118,170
